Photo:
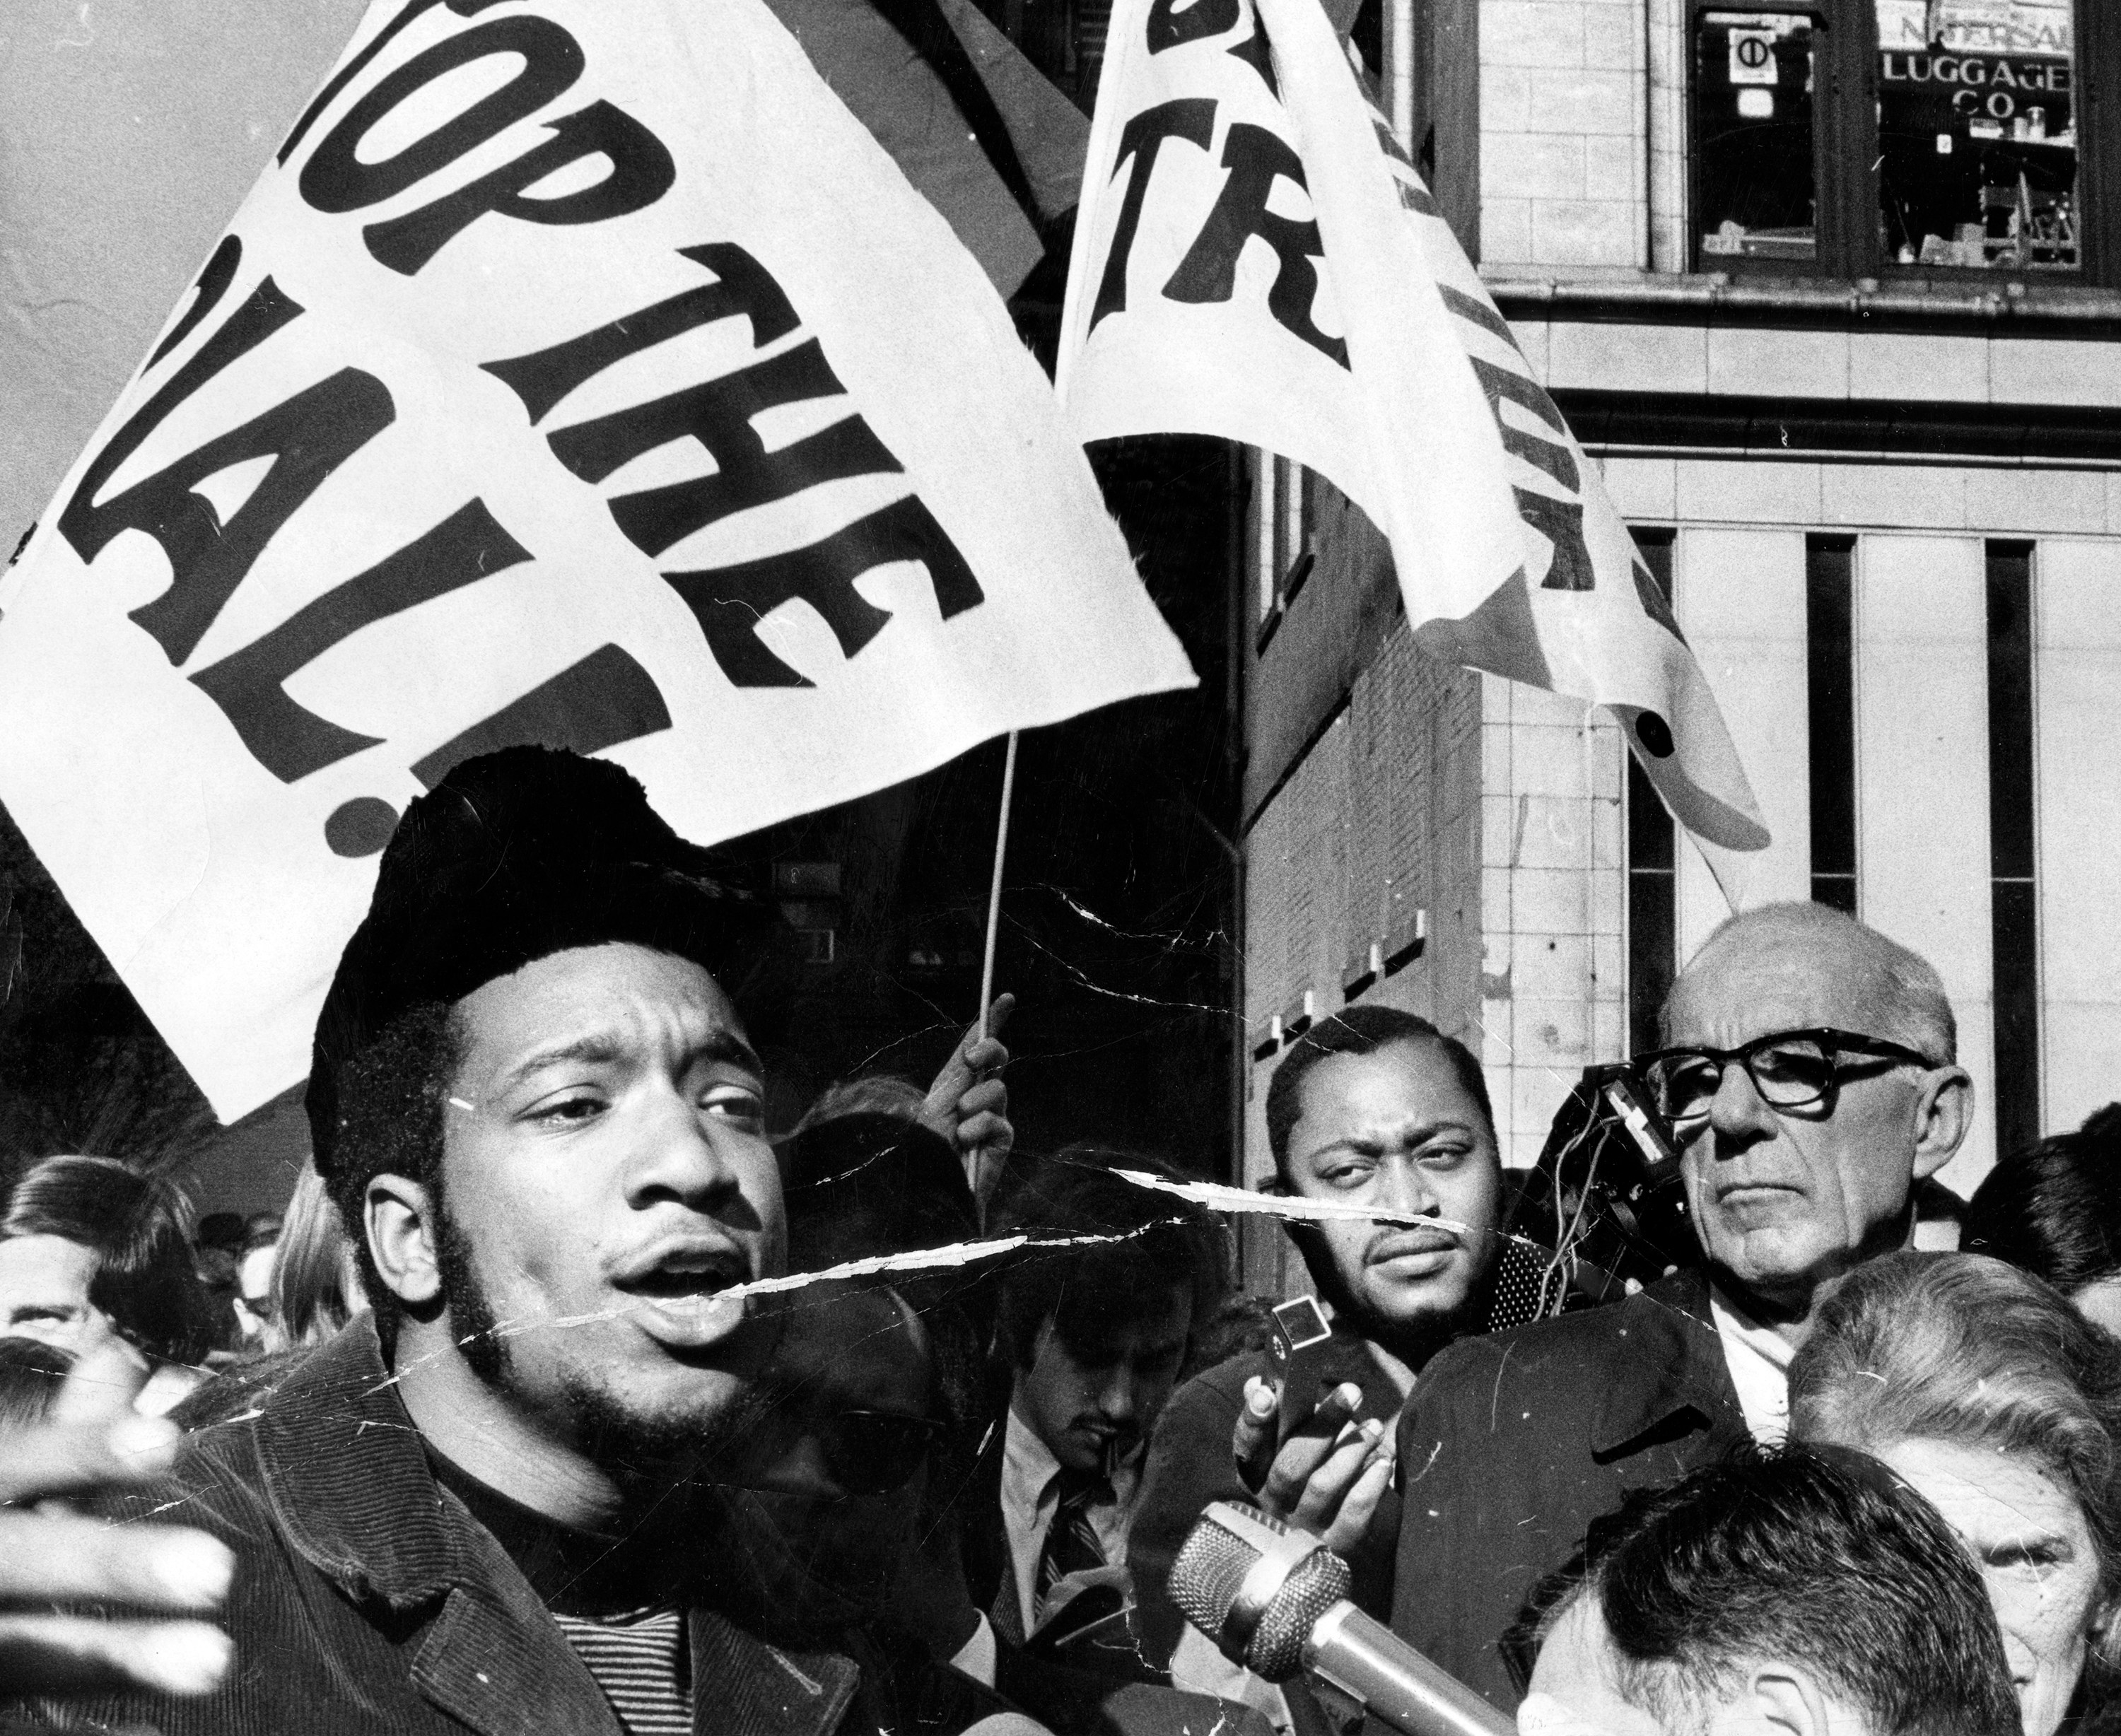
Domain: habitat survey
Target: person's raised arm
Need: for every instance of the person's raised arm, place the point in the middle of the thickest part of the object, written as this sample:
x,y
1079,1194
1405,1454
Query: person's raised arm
x,y
168,1574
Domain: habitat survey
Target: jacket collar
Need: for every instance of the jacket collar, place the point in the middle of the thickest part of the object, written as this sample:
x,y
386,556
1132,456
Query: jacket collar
x,y
350,1489
348,1480
1677,1356
742,1683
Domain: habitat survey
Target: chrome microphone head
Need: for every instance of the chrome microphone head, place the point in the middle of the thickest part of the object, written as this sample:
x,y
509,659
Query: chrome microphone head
x,y
1256,1587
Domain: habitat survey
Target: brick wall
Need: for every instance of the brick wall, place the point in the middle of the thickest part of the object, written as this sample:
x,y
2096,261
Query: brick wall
x,y
1381,818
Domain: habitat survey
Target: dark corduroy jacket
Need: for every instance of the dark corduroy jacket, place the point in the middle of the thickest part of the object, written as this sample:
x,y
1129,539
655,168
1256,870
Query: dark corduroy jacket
x,y
1512,1445
367,1599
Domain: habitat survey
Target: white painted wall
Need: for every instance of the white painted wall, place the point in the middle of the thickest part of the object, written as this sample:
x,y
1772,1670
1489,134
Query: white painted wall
x,y
1922,786
2076,674
1740,598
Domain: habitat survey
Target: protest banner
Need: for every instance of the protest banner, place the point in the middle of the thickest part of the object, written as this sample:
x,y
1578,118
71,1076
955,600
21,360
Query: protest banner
x,y
127,139
577,374
1256,258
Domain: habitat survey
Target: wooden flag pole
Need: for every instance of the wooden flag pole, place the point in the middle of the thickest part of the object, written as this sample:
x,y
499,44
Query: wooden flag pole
x,y
994,892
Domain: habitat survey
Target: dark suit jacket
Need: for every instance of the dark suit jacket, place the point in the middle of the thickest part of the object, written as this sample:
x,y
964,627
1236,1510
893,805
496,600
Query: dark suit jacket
x,y
367,1600
983,1534
1080,1692
1512,1445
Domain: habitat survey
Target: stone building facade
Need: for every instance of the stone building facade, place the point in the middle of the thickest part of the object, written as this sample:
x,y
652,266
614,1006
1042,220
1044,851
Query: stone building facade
x,y
1866,423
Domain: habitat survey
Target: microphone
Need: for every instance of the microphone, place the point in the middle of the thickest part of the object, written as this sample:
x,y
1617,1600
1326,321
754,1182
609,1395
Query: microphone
x,y
1275,1600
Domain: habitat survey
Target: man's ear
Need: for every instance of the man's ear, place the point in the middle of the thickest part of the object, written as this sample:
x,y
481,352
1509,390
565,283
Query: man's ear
x,y
1943,1116
399,1216
1777,1700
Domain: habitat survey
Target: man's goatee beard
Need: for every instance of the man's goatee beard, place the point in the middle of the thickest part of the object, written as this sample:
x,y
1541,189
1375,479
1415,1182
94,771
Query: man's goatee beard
x,y
652,1454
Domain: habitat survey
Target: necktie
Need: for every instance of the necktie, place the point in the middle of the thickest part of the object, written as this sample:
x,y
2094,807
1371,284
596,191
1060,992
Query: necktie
x,y
1071,1541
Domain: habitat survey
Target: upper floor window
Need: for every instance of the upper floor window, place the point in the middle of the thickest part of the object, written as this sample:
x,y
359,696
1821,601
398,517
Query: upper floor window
x,y
1861,138
1755,145
1977,134
1280,546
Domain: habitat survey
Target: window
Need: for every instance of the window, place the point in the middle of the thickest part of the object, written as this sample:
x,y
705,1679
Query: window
x,y
1653,914
1831,716
1977,134
1863,137
2013,920
1297,489
1278,547
808,894
1754,147
1262,542
1431,51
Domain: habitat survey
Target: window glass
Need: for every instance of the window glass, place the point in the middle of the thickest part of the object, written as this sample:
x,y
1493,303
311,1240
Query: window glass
x,y
1293,533
1265,532
1977,133
1829,647
1752,127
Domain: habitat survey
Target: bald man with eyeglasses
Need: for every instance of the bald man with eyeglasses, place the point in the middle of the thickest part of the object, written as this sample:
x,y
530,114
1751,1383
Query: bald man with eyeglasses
x,y
1810,1075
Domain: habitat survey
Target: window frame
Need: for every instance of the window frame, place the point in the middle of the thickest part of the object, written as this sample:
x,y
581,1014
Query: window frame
x,y
1834,254
2016,988
1280,538
1650,874
1845,154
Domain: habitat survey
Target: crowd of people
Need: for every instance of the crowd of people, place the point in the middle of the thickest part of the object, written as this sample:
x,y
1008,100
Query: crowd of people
x,y
528,1411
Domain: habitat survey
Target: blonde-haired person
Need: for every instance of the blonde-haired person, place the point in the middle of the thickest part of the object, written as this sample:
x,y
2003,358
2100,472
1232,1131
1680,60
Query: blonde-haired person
x,y
316,1275
1988,1393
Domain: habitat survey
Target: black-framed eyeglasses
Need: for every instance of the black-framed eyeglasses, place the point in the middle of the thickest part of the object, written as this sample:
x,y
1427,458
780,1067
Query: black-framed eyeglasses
x,y
1790,1069
874,1452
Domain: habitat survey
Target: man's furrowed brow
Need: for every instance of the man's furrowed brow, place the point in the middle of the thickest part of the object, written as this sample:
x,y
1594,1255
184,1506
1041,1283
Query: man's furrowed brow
x,y
721,1047
1360,1144
725,1048
597,1050
1423,1132
1369,1142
